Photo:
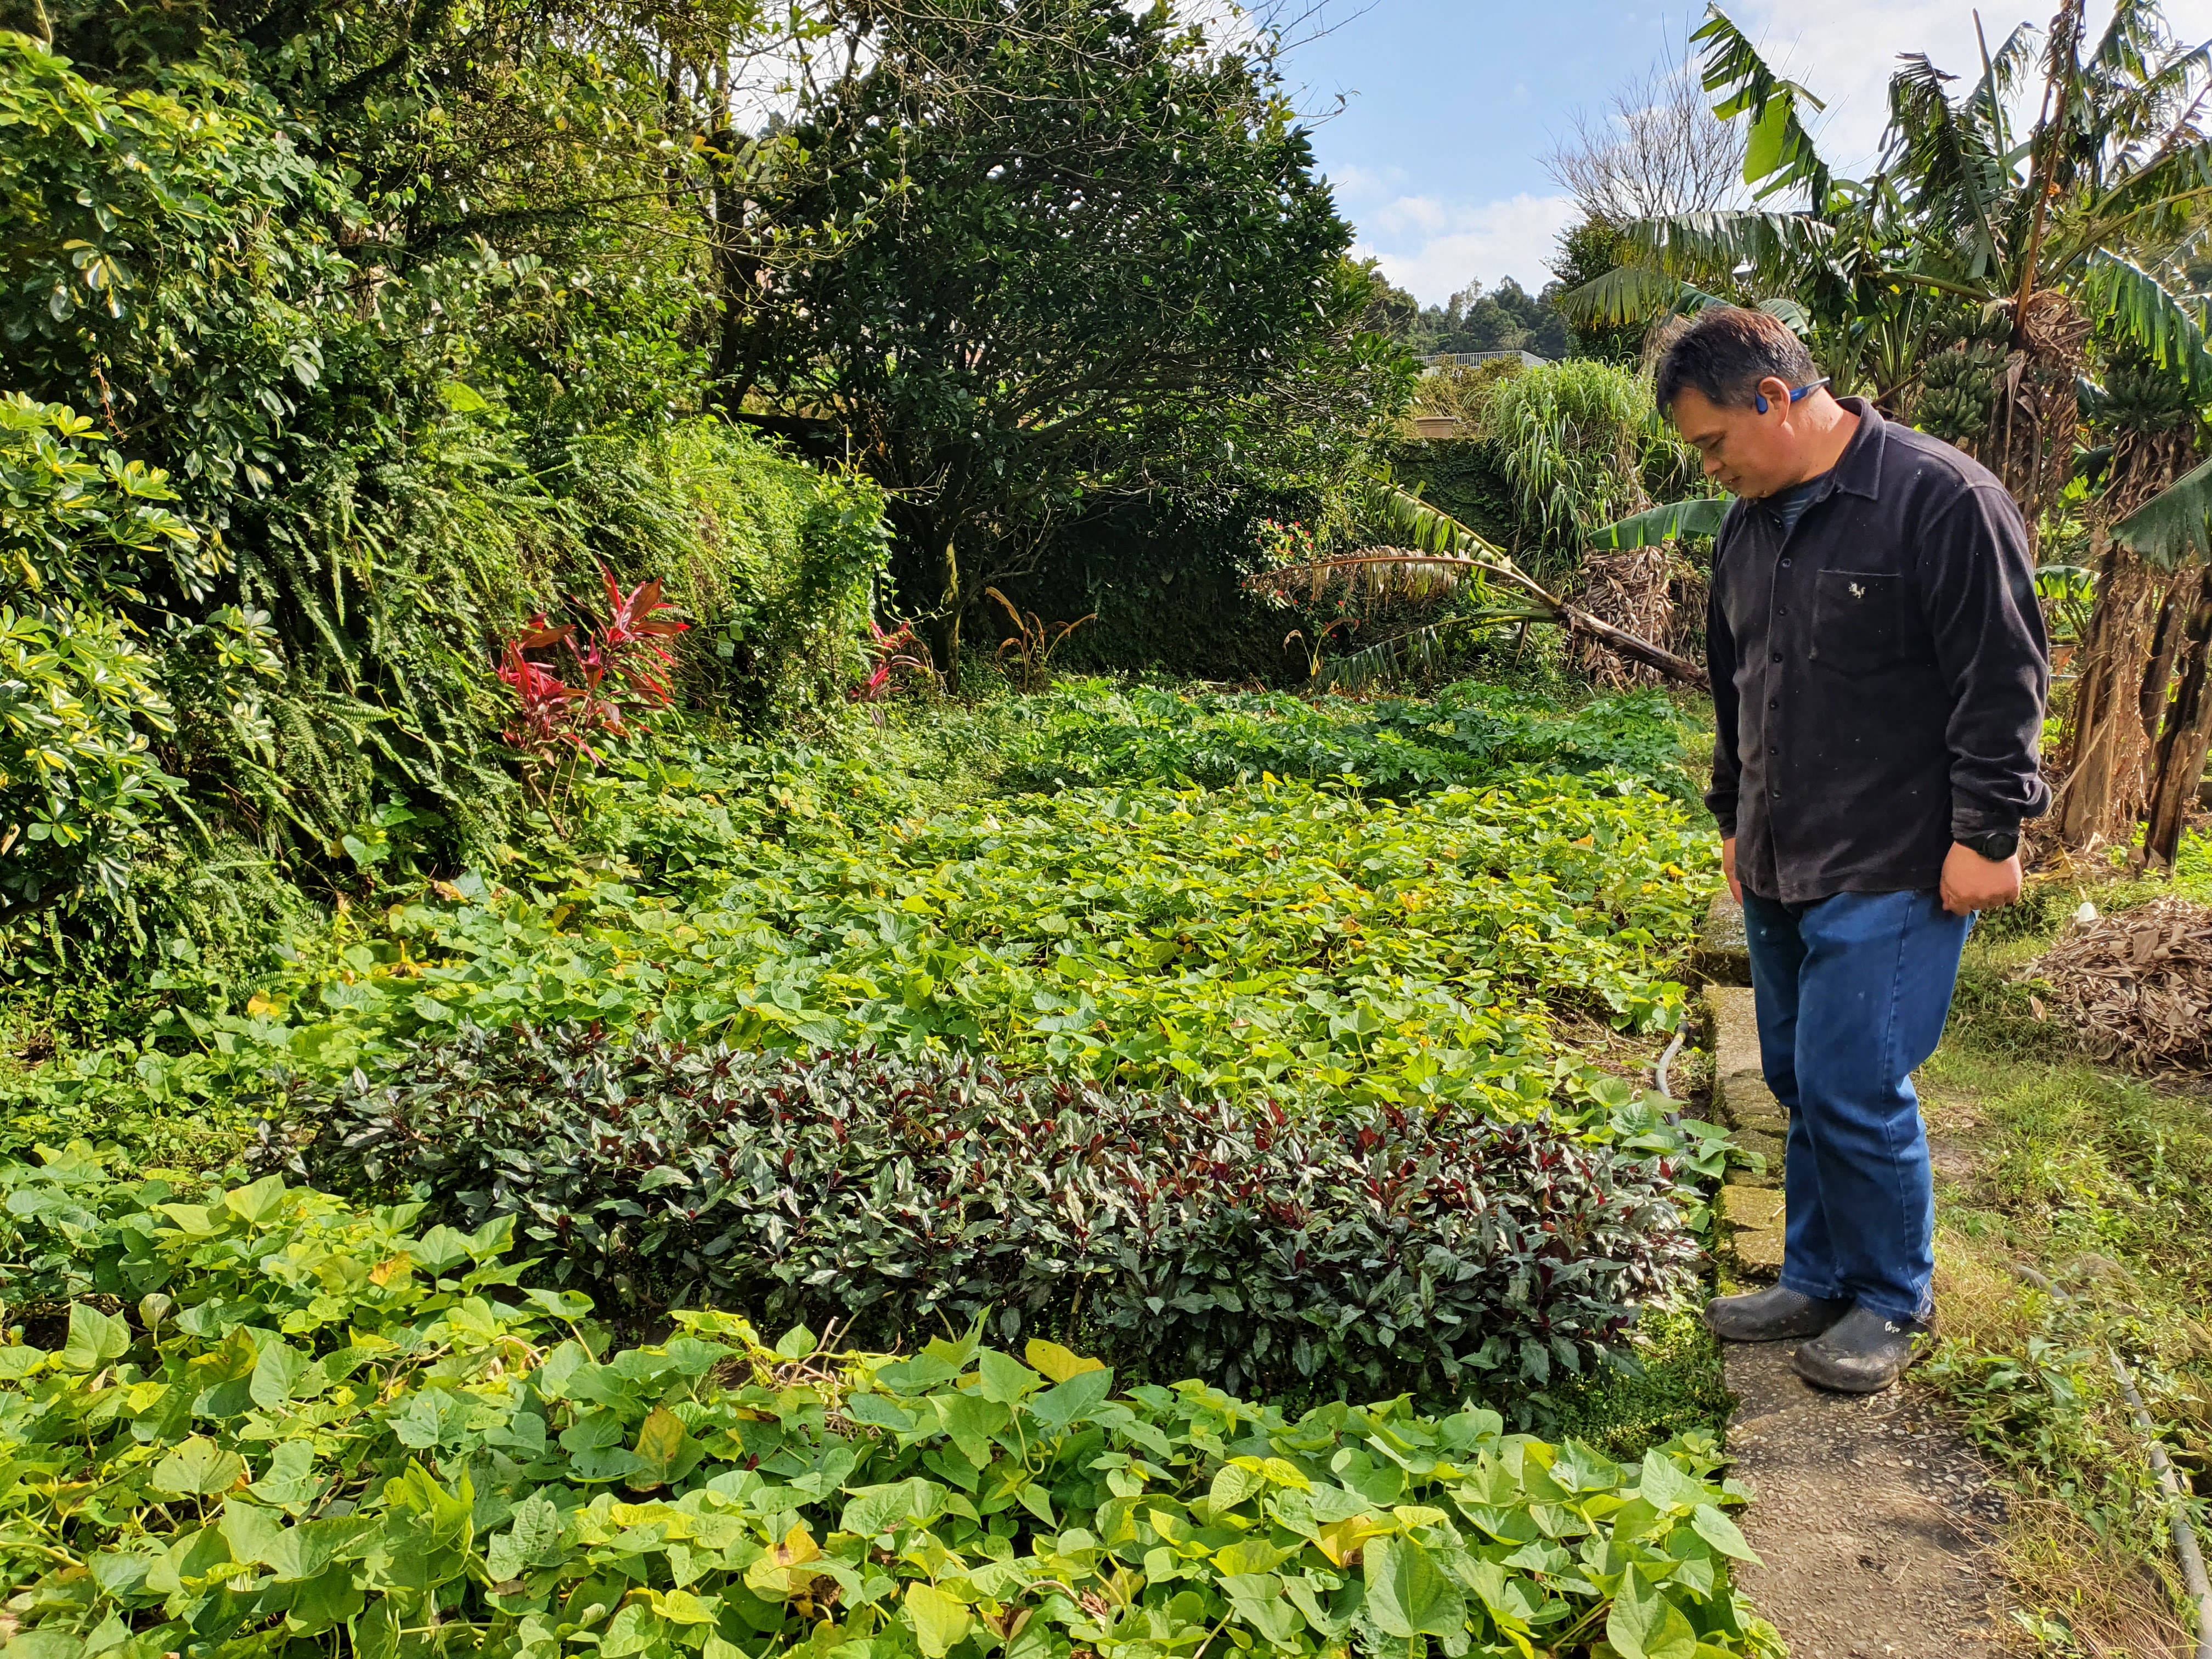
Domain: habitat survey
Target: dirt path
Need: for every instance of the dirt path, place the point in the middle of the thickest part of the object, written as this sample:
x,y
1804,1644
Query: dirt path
x,y
1868,1512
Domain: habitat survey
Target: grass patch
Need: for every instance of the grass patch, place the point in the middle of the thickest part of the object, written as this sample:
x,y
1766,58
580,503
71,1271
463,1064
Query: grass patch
x,y
2099,1188
1681,1389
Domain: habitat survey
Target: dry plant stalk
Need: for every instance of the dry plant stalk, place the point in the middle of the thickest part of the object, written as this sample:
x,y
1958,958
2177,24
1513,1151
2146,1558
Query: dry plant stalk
x,y
2106,749
1404,573
1630,589
2137,987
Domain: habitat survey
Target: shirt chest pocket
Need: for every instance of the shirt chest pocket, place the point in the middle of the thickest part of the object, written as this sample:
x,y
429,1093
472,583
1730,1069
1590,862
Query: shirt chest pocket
x,y
1858,621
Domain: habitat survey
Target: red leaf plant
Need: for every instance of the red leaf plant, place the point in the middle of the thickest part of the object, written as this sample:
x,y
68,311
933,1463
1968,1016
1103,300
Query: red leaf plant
x,y
888,652
619,673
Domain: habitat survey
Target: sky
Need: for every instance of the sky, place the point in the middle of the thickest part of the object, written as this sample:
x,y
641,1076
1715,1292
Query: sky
x,y
1448,106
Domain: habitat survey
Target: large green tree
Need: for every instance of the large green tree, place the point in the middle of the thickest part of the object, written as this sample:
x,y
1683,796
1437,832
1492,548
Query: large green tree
x,y
1056,247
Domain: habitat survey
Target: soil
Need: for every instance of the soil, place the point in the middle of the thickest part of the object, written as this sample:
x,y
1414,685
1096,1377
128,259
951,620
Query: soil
x,y
1869,1514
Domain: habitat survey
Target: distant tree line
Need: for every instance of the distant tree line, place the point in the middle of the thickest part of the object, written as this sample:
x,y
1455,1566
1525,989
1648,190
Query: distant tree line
x,y
1508,317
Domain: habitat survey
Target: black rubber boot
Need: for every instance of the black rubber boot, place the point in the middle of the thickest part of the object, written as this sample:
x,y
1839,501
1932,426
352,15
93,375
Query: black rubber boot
x,y
1863,1353
1771,1316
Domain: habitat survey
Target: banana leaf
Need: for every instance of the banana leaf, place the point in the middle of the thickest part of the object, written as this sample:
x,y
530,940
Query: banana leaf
x,y
2175,524
1674,521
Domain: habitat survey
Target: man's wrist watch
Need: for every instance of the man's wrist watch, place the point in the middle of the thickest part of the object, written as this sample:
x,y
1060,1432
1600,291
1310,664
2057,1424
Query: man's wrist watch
x,y
1996,847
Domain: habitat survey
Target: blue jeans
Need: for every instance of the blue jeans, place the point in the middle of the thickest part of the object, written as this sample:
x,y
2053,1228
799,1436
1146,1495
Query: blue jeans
x,y
1852,992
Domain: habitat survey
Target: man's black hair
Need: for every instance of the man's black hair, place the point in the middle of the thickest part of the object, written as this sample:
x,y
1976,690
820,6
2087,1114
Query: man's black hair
x,y
1726,352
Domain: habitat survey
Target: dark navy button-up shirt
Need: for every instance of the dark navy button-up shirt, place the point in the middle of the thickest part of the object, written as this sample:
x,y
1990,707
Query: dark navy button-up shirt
x,y
1880,670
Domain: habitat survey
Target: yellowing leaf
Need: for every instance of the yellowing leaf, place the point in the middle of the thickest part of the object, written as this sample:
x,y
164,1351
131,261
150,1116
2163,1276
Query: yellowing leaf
x,y
782,1572
682,1607
1249,1555
1340,1540
1233,1483
1284,1472
660,1437
939,1621
1058,1363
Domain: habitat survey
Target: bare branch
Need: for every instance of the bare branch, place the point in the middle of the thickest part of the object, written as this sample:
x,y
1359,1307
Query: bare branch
x,y
1656,150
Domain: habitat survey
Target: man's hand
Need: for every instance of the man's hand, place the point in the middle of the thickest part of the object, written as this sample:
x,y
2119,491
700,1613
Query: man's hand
x,y
1973,883
1728,869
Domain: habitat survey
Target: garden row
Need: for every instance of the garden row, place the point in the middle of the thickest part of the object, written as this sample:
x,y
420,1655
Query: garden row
x,y
286,1423
1257,1083
1305,940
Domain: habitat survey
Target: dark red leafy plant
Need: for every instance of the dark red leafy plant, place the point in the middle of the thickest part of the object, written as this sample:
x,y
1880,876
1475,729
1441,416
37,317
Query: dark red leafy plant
x,y
1371,1251
891,651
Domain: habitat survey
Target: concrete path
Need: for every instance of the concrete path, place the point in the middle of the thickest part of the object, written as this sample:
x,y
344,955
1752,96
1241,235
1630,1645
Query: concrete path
x,y
1868,1514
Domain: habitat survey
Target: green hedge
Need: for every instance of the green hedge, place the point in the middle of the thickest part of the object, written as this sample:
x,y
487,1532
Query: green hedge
x,y
276,1424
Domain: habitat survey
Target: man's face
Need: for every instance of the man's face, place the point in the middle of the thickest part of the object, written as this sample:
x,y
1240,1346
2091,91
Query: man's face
x,y
1747,454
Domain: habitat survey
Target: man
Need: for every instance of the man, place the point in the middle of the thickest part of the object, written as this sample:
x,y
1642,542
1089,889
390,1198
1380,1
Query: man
x,y
1879,670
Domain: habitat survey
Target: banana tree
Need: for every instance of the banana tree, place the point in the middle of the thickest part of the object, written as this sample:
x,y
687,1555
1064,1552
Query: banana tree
x,y
1441,556
2171,533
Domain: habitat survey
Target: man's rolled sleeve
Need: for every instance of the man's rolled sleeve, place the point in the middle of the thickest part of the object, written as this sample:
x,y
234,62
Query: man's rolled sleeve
x,y
1977,589
1719,665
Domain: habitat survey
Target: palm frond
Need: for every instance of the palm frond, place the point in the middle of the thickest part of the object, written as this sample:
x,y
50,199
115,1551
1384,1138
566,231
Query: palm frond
x,y
1626,294
2159,194
1374,573
1425,527
1417,650
1444,538
1786,310
1669,523
2001,72
1954,170
2132,40
1780,152
2138,305
2175,524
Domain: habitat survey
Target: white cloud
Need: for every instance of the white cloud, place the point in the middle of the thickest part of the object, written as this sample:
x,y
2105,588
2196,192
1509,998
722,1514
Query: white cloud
x,y
1433,248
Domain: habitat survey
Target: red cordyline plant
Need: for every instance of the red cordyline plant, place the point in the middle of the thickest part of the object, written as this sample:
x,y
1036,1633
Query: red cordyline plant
x,y
888,652
618,673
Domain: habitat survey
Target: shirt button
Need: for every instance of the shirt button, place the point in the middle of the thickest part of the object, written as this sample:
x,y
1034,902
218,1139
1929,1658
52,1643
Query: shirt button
x,y
1785,564
1777,656
1781,610
1774,702
1771,749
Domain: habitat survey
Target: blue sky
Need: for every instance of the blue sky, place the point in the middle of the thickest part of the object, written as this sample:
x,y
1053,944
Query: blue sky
x,y
1451,105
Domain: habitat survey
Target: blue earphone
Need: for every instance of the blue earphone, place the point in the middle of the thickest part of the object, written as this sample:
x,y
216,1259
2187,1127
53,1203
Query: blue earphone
x,y
1759,398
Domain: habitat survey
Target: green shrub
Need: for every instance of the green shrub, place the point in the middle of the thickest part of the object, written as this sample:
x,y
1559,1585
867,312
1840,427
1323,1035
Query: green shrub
x,y
313,1429
1367,1252
75,778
